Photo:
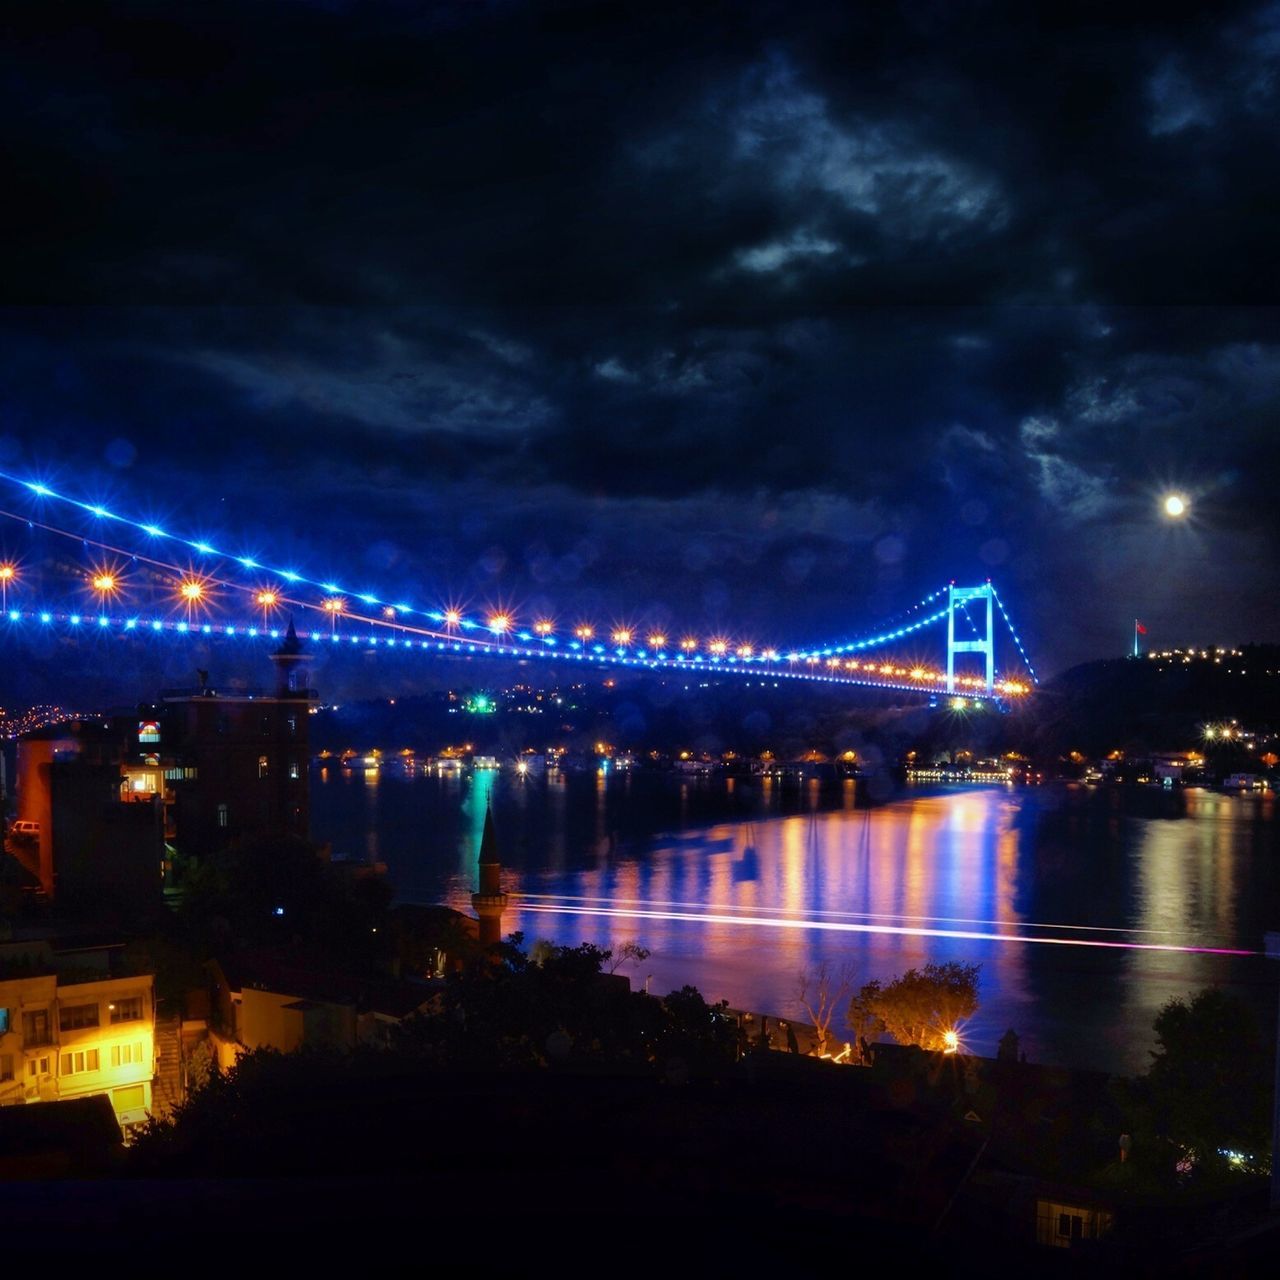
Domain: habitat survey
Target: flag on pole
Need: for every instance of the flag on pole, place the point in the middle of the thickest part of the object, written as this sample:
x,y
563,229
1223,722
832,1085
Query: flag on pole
x,y
1142,631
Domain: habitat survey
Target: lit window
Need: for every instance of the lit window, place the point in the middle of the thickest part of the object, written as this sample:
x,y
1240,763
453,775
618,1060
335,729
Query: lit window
x,y
127,1010
148,731
73,1064
4,1021
74,1017
126,1055
293,769
222,815
292,722
263,766
6,1067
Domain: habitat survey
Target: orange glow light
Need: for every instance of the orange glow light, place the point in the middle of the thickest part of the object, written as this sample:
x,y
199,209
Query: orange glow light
x,y
584,633
104,582
191,590
657,641
719,647
500,622
745,651
622,636
335,604
452,617
688,644
7,573
543,627
268,599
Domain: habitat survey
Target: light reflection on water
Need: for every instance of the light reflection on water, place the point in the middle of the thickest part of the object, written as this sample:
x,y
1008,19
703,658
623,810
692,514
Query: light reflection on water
x,y
1194,869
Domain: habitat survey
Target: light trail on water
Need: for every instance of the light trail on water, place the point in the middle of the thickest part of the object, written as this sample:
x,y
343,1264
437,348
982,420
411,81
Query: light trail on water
x,y
847,915
843,926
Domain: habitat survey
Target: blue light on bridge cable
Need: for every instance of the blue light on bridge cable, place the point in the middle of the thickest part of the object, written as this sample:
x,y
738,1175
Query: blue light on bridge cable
x,y
157,625
74,619
14,615
103,622
46,617
154,530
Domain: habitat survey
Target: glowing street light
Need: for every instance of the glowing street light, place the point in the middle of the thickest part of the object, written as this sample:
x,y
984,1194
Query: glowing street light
x,y
7,575
335,607
500,623
543,627
719,647
584,632
622,637
267,600
1176,505
657,641
950,1042
105,583
452,617
688,644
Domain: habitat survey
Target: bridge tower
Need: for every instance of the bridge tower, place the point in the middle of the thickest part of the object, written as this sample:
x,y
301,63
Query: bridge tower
x,y
984,644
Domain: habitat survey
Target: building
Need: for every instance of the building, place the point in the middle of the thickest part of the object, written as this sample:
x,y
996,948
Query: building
x,y
91,815
98,800
239,757
287,1001
71,1027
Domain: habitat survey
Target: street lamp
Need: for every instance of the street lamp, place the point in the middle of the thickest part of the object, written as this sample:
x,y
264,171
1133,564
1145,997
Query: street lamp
x,y
7,574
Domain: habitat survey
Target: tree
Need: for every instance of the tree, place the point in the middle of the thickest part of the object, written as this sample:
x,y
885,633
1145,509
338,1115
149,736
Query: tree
x,y
1210,1080
629,952
918,1008
821,991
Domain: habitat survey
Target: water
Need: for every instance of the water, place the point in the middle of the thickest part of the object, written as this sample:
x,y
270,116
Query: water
x,y
779,879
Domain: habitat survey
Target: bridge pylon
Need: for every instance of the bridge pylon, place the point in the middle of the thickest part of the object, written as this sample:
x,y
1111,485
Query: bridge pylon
x,y
984,644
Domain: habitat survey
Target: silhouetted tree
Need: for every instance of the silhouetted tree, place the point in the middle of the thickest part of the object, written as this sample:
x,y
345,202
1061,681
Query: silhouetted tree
x,y
822,990
1210,1081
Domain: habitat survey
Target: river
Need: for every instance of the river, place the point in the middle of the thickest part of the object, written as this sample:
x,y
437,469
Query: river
x,y
1068,897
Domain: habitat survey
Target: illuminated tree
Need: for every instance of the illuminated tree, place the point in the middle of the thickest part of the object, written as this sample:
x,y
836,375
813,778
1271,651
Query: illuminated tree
x,y
918,1008
822,991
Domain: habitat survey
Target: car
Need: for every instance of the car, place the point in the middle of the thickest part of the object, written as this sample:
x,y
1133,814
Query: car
x,y
25,830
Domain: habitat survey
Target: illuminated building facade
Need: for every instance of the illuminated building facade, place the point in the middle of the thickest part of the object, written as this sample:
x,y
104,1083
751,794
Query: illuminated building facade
x,y
68,1033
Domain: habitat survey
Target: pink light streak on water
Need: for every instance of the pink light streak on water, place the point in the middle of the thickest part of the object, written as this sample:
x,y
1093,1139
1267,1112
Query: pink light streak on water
x,y
842,926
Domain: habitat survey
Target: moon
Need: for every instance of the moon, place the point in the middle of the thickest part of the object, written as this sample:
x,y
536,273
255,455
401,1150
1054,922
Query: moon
x,y
1175,505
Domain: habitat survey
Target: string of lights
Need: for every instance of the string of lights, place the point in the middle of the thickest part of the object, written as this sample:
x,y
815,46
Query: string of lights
x,y
194,590
916,680
1013,631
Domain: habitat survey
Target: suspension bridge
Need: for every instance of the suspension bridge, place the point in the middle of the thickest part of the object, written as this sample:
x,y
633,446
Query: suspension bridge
x,y
77,566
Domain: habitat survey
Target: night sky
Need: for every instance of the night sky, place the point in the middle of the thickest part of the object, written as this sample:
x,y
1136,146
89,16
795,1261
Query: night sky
x,y
762,318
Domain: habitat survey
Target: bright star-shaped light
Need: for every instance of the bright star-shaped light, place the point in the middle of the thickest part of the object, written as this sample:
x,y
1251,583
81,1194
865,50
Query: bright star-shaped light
x,y
1175,506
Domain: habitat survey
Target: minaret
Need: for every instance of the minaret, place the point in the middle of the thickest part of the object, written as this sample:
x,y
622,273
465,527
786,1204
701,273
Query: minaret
x,y
490,902
291,677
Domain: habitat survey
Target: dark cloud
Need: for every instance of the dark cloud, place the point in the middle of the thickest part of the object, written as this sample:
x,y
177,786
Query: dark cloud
x,y
748,315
